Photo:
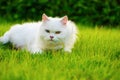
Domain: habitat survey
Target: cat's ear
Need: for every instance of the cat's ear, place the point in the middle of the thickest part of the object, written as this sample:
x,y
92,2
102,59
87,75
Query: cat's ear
x,y
64,20
44,18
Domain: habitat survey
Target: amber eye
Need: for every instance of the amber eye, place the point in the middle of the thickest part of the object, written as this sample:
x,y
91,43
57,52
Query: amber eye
x,y
57,32
47,31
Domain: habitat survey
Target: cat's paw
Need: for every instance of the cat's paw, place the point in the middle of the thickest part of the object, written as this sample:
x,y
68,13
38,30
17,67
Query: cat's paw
x,y
0,39
36,51
67,50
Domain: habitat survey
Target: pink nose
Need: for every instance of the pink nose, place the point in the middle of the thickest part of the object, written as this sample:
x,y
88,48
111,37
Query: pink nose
x,y
51,37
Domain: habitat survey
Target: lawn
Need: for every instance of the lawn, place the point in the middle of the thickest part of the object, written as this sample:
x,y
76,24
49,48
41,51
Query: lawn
x,y
96,56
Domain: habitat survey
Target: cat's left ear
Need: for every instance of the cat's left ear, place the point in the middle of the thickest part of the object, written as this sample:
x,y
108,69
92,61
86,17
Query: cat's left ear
x,y
64,20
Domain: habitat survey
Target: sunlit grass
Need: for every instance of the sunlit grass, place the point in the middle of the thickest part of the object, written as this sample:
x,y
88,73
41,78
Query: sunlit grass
x,y
96,56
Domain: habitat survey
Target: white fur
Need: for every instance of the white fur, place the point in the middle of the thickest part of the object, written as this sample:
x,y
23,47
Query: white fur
x,y
34,38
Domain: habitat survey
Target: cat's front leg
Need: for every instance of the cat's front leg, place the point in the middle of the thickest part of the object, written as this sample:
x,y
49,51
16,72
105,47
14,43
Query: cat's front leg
x,y
35,49
68,46
67,49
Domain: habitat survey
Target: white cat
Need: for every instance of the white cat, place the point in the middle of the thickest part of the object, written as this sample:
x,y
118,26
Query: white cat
x,y
50,33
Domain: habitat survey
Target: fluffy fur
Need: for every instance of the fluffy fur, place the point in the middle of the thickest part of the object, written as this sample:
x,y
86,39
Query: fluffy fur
x,y
50,33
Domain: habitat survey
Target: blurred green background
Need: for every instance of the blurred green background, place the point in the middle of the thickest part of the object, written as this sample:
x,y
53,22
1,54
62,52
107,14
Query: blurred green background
x,y
91,12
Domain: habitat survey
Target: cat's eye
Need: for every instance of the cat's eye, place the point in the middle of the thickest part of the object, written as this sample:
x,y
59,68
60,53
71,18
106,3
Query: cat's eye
x,y
47,31
57,32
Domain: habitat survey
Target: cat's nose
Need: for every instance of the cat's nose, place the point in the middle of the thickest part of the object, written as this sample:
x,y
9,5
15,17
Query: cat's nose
x,y
51,37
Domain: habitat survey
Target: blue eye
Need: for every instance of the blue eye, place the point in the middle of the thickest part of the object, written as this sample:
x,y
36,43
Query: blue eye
x,y
47,31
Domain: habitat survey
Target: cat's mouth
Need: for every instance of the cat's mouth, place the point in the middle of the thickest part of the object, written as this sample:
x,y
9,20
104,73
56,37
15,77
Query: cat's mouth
x,y
51,40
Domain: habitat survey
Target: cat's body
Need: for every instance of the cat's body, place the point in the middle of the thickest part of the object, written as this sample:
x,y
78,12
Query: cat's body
x,y
50,33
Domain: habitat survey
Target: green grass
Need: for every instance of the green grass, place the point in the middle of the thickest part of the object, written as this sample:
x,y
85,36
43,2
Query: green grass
x,y
96,56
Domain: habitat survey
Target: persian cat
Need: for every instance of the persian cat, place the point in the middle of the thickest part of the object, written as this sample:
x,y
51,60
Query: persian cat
x,y
48,34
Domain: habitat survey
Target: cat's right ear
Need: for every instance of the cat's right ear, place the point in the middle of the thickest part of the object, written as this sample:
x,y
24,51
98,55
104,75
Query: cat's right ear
x,y
44,18
64,20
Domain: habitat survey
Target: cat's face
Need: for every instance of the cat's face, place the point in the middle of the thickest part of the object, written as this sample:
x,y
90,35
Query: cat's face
x,y
53,29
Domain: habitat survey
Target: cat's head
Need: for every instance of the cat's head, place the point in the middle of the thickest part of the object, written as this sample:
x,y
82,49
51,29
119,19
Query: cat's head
x,y
54,29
